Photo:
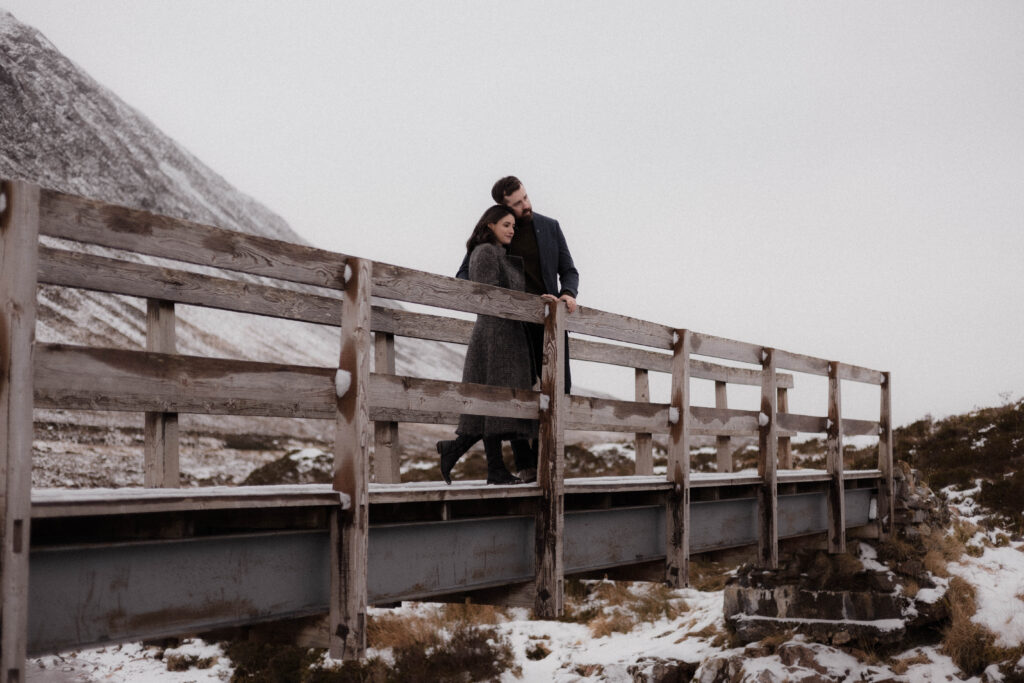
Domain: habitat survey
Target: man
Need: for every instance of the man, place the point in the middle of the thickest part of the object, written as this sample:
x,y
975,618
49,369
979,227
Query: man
x,y
549,272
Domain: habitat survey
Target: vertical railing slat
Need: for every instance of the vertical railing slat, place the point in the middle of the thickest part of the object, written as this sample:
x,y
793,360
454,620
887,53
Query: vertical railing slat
x,y
785,442
677,523
386,467
644,442
767,460
19,236
161,429
886,503
834,463
550,521
350,528
722,442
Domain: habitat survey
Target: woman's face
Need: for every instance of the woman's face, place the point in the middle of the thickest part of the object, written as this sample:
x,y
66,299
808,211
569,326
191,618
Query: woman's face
x,y
504,229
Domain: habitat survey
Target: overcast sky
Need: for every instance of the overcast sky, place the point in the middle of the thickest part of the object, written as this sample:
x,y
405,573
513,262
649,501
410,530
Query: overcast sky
x,y
844,180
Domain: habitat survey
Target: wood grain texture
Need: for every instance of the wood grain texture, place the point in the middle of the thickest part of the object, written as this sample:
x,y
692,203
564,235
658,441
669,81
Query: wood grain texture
x,y
859,374
644,463
414,286
160,450
801,363
677,506
588,413
423,395
421,325
350,531
19,226
767,460
785,440
836,500
886,495
118,227
728,349
103,274
622,328
725,421
723,444
550,521
796,422
386,467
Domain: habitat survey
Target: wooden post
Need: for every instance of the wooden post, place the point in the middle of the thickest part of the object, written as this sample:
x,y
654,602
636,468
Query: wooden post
x,y
161,431
785,442
834,464
19,238
768,441
386,467
350,528
677,522
723,442
550,522
886,498
644,443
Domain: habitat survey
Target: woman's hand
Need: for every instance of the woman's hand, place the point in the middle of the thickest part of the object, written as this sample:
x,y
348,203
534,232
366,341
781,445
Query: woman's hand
x,y
570,301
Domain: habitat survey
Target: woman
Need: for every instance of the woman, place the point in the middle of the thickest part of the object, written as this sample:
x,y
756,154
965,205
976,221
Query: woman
x,y
498,353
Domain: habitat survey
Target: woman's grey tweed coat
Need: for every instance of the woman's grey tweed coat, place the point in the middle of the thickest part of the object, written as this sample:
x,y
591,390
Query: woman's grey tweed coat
x,y
499,351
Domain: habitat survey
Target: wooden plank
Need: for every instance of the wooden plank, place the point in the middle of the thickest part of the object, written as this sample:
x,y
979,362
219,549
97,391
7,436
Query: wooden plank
x,y
386,466
729,349
677,522
82,378
102,274
550,521
723,446
727,421
118,227
836,500
860,427
589,413
414,286
161,469
795,422
767,460
801,363
350,528
785,440
416,394
19,225
622,328
644,463
886,495
858,374
421,325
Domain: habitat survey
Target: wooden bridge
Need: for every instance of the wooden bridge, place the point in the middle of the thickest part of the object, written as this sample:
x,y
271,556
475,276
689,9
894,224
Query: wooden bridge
x,y
86,567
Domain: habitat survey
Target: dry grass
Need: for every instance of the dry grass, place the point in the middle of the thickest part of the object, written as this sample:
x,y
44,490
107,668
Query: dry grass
x,y
619,606
617,621
970,645
911,588
900,666
397,631
709,576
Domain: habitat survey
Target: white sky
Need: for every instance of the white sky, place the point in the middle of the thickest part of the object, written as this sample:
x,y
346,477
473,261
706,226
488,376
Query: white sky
x,y
844,180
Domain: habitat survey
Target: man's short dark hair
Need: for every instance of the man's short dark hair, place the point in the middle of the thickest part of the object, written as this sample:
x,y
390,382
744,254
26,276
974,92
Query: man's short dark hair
x,y
504,188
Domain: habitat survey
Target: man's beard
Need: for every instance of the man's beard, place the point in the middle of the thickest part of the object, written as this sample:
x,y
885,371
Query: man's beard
x,y
525,219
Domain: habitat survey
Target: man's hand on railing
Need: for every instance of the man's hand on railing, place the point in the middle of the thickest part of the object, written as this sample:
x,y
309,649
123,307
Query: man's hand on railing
x,y
570,300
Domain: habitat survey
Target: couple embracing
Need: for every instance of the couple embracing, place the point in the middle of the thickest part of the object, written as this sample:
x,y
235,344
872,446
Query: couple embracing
x,y
511,247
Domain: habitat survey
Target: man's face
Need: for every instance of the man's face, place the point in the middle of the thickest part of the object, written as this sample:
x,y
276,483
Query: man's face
x,y
519,203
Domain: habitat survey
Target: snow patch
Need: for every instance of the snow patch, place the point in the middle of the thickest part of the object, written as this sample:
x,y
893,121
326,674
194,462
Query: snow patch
x,y
673,414
545,401
762,419
342,382
348,273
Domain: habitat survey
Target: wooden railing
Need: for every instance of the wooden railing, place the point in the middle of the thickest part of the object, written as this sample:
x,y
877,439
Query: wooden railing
x,y
266,277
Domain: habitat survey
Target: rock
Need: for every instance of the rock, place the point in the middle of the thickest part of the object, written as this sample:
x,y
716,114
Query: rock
x,y
841,638
662,671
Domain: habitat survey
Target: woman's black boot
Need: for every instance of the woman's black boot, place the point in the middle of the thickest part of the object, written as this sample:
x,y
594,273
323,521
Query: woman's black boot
x,y
451,451
497,473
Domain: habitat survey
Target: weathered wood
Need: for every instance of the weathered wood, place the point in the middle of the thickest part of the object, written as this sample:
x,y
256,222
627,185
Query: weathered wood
x,y
729,349
587,413
886,498
723,447
767,460
727,421
644,463
677,522
801,363
621,328
118,227
416,394
860,427
550,522
102,274
785,440
795,422
350,528
386,467
161,429
834,464
421,325
414,286
19,225
82,378
859,374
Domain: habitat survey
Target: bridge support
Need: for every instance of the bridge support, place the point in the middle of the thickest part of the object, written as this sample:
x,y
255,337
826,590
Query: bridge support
x,y
767,465
19,236
161,430
350,528
550,523
886,503
386,466
834,464
677,522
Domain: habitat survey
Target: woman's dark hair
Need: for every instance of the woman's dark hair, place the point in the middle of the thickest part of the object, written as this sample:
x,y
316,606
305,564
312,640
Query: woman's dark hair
x,y
482,233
